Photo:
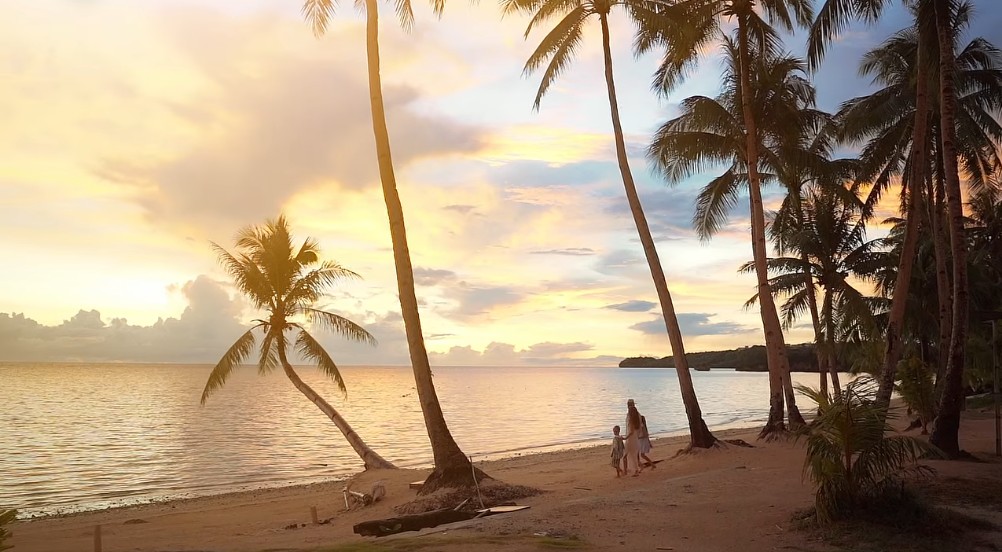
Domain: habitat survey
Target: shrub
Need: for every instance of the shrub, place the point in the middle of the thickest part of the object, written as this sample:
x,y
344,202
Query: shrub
x,y
6,516
850,459
917,389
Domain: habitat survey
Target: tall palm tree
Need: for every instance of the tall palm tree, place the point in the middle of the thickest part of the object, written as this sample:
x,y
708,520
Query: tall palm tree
x,y
682,43
832,239
452,466
558,48
946,428
287,282
711,131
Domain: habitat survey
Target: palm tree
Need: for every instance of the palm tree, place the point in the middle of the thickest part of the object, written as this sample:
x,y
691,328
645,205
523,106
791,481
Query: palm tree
x,y
833,249
682,40
558,47
287,282
805,168
711,131
452,466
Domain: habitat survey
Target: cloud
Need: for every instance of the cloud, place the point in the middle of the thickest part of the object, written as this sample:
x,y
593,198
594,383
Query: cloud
x,y
208,325
635,305
692,324
569,251
432,276
294,121
461,209
478,300
505,354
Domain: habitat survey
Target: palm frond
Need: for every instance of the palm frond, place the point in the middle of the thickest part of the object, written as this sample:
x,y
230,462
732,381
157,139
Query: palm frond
x,y
310,349
233,357
558,46
339,325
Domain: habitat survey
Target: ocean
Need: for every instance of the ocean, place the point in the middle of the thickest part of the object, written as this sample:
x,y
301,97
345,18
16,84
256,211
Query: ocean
x,y
77,437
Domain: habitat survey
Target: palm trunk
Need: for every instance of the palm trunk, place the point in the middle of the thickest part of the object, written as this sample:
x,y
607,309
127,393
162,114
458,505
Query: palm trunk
x,y
833,370
699,434
369,457
452,467
779,365
896,319
945,299
946,428
820,350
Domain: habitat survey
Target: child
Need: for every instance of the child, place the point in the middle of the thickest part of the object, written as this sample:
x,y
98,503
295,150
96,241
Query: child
x,y
618,451
645,444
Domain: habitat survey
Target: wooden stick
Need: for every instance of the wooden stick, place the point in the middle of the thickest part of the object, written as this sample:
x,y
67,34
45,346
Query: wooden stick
x,y
313,514
474,470
97,538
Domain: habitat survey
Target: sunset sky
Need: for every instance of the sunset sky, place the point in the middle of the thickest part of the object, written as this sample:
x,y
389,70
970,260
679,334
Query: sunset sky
x,y
136,131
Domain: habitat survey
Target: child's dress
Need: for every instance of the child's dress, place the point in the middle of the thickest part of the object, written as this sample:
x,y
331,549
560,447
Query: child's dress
x,y
618,450
645,440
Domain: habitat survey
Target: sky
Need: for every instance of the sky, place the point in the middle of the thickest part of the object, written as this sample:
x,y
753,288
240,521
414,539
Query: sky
x,y
137,131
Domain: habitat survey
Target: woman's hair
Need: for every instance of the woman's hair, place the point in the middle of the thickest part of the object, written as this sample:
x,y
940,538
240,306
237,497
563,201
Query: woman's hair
x,y
633,416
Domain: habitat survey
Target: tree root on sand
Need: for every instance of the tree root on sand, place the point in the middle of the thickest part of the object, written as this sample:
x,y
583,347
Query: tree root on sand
x,y
454,478
492,492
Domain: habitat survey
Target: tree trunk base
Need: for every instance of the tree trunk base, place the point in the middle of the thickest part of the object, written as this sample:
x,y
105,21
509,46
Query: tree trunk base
x,y
773,432
378,463
796,418
702,438
453,478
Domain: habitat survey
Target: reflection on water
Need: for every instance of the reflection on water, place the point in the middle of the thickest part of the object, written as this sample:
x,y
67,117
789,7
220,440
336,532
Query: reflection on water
x,y
81,436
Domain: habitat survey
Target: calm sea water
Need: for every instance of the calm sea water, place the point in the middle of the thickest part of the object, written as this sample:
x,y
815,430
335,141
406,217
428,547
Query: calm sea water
x,y
84,436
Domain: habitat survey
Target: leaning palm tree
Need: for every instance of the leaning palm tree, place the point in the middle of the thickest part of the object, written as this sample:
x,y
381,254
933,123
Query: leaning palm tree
x,y
556,51
452,466
286,282
711,131
682,41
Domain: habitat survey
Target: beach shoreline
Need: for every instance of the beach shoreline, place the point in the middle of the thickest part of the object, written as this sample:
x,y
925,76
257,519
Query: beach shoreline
x,y
139,501
684,503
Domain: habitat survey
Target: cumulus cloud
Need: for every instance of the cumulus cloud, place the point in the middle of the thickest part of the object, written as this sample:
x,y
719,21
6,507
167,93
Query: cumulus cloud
x,y
202,333
692,324
635,305
505,354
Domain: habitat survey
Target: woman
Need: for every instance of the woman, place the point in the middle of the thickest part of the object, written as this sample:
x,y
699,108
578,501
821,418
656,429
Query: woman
x,y
633,428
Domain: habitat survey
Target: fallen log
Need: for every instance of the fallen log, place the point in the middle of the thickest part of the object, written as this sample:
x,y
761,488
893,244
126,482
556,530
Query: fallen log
x,y
413,522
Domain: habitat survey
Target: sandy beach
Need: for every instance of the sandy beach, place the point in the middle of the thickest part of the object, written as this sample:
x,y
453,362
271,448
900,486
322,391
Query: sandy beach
x,y
732,498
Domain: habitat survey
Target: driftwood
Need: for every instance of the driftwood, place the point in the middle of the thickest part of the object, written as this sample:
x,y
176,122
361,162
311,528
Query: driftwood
x,y
414,522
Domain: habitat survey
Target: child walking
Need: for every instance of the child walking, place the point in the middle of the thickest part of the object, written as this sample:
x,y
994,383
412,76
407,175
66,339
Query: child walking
x,y
618,451
645,444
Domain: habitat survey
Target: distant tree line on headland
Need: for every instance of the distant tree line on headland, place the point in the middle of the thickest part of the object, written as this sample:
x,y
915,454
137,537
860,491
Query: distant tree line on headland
x,y
744,359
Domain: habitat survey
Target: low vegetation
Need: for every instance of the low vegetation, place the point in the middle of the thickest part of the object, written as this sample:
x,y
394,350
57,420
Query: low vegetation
x,y
853,459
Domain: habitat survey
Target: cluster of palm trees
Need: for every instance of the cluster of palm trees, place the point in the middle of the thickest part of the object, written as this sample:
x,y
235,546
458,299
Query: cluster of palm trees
x,y
932,121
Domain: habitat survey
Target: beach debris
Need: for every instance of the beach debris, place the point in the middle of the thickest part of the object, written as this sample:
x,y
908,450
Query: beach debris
x,y
416,485
739,443
313,515
355,498
434,518
97,538
135,521
583,488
